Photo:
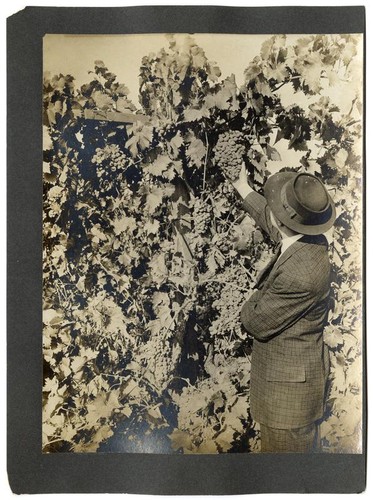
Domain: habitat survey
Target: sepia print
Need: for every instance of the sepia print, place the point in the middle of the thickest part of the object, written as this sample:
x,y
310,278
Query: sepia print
x,y
202,256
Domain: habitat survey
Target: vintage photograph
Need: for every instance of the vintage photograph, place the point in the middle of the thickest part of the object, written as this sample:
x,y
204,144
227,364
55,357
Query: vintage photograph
x,y
202,243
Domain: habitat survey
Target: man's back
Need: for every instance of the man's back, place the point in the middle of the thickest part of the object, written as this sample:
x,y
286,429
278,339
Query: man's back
x,y
287,313
286,317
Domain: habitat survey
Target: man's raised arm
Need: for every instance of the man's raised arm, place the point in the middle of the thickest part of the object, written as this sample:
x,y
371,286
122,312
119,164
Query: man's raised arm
x,y
256,205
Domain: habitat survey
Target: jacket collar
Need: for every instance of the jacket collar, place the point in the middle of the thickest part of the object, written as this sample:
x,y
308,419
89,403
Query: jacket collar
x,y
297,245
289,240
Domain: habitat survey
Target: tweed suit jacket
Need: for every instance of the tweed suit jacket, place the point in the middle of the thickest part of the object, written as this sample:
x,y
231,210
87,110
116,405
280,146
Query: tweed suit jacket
x,y
286,317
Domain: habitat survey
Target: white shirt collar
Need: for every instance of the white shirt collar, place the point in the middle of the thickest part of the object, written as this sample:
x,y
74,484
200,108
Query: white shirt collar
x,y
289,240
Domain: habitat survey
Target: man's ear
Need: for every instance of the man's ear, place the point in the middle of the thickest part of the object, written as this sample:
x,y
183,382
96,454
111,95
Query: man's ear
x,y
278,223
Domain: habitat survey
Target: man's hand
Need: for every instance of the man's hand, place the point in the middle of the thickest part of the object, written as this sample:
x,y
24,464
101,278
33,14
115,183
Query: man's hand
x,y
241,184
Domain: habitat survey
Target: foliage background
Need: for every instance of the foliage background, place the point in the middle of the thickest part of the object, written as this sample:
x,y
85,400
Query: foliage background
x,y
148,255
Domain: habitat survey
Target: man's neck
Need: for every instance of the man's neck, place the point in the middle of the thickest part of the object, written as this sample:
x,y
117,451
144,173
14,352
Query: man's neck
x,y
288,240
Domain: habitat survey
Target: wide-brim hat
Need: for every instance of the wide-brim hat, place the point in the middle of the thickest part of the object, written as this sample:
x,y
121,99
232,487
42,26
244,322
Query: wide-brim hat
x,y
300,201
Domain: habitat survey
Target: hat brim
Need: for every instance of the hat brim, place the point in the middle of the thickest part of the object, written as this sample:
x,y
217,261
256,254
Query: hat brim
x,y
272,193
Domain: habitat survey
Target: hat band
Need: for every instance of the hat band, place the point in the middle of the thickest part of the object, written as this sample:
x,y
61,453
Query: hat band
x,y
307,218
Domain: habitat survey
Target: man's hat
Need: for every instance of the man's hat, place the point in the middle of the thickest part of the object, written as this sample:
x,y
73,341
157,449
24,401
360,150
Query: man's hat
x,y
300,201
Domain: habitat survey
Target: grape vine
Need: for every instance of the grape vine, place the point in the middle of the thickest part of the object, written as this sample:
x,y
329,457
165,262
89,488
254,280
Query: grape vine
x,y
148,255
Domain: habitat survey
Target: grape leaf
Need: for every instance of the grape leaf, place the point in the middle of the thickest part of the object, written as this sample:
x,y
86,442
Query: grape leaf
x,y
121,89
181,440
225,98
262,87
101,407
175,143
98,235
142,136
152,226
77,364
158,269
52,317
207,447
99,64
124,224
50,385
194,115
332,76
311,69
272,153
214,71
333,337
102,101
349,52
254,69
196,152
123,105
211,263
156,195
341,160
159,165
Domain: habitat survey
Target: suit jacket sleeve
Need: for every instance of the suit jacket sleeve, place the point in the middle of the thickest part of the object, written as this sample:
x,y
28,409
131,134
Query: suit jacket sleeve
x,y
255,204
268,313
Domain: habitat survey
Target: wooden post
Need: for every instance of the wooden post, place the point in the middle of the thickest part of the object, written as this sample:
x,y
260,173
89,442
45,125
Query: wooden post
x,y
113,116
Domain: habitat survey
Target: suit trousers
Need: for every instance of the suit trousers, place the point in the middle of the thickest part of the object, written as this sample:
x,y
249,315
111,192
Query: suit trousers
x,y
300,440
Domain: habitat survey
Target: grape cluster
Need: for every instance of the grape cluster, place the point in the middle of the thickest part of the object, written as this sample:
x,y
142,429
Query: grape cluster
x,y
222,242
162,364
227,189
228,306
236,275
201,215
126,194
109,158
228,301
167,245
197,244
229,152
159,360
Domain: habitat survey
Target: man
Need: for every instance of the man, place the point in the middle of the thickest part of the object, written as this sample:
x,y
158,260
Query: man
x,y
287,313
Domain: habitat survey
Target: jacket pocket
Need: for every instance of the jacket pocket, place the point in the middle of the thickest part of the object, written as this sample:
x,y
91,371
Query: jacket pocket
x,y
287,374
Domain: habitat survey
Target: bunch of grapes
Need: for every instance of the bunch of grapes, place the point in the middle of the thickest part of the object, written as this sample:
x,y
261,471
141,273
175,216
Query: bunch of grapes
x,y
228,306
109,158
201,215
229,152
222,242
197,244
159,360
236,275
227,189
228,303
